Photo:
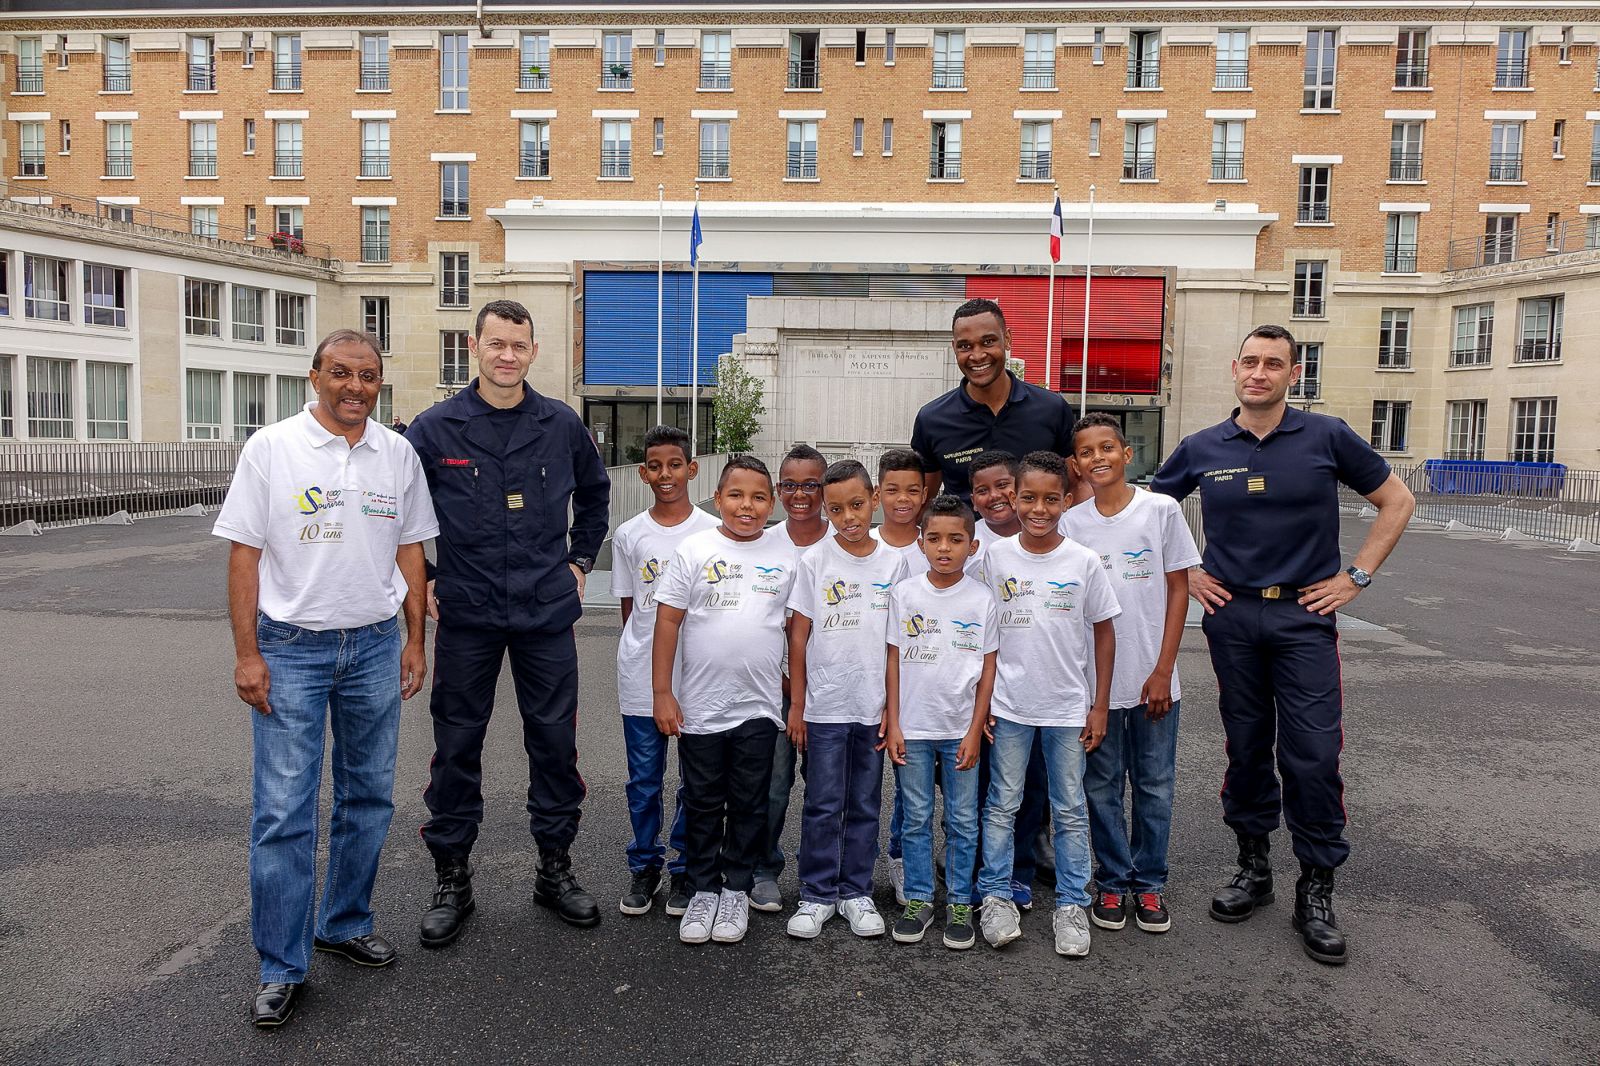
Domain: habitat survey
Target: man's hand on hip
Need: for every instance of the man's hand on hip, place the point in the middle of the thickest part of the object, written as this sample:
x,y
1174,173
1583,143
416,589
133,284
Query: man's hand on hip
x,y
1207,590
1329,594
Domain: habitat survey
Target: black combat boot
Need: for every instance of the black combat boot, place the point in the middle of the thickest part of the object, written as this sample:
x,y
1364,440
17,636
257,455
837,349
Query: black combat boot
x,y
556,888
1251,886
452,904
1313,915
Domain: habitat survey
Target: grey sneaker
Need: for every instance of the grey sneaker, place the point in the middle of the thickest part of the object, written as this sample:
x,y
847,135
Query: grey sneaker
x,y
897,874
911,925
1072,931
958,932
1000,920
764,896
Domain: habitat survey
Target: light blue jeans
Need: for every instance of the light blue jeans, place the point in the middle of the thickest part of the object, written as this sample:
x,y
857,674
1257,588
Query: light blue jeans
x,y
1069,817
960,820
350,677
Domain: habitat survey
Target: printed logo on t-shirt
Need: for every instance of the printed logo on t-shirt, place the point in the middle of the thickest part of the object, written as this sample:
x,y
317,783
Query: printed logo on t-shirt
x,y
968,636
1061,596
379,505
1138,565
727,585
311,500
927,634
880,595
314,501
718,571
650,570
1016,596
767,580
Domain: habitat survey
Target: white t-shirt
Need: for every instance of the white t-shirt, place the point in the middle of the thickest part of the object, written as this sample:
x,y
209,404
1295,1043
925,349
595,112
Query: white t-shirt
x,y
915,559
730,649
943,635
1047,606
1138,547
847,600
641,551
329,518
779,534
987,538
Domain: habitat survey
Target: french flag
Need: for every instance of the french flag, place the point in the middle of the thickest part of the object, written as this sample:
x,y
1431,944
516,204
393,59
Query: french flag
x,y
1055,231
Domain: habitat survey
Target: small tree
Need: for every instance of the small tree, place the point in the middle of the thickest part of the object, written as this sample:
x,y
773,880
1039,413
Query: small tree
x,y
738,405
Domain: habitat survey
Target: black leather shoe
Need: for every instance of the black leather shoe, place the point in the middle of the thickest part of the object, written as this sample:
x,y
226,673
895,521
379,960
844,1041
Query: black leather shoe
x,y
274,1005
1313,915
369,950
556,888
452,904
641,892
1251,886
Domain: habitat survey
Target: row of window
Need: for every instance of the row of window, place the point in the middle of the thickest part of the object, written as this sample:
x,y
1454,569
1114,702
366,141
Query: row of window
x,y
49,387
65,290
208,305
1232,63
1533,429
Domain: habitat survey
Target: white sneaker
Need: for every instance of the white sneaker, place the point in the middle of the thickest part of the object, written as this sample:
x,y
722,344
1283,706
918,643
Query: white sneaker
x,y
1000,921
695,925
733,917
1072,931
863,916
897,874
809,918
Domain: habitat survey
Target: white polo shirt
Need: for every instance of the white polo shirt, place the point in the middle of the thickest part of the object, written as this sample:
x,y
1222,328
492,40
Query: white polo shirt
x,y
328,519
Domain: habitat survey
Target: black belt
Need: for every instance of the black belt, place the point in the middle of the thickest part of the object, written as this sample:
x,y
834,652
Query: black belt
x,y
1271,592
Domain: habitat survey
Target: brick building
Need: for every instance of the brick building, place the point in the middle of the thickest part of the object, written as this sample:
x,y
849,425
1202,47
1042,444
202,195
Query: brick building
x,y
1418,199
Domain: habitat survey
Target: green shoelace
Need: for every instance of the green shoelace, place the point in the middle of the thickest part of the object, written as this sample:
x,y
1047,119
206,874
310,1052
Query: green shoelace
x,y
961,914
914,909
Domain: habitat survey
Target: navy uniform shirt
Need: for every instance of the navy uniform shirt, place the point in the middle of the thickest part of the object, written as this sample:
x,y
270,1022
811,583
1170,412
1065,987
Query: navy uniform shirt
x,y
952,429
1270,507
502,483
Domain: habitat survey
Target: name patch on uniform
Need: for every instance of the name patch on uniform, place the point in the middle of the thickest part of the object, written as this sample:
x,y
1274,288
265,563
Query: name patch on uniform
x,y
1256,484
514,501
455,462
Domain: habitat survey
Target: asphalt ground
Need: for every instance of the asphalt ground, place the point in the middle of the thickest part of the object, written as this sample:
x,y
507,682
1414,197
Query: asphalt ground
x,y
1470,898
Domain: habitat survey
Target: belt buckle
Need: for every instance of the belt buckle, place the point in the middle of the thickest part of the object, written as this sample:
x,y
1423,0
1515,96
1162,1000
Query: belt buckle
x,y
1272,592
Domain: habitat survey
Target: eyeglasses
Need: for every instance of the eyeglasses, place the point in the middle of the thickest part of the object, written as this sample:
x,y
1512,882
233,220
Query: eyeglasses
x,y
789,488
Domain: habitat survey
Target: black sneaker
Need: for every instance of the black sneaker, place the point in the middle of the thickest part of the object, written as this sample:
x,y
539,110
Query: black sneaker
x,y
1150,912
958,931
678,895
1108,911
913,923
641,891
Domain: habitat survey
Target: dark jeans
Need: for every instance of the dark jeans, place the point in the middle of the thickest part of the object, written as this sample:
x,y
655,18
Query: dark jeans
x,y
1277,668
784,760
466,667
646,748
1144,753
839,828
725,778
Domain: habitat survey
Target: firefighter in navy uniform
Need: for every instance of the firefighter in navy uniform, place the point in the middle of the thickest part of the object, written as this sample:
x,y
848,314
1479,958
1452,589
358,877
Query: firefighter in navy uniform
x,y
1270,582
504,463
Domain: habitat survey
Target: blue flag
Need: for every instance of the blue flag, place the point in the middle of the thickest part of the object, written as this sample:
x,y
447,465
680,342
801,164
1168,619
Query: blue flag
x,y
694,237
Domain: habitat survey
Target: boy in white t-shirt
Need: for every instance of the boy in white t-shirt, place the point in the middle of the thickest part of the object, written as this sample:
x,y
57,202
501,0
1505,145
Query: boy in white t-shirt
x,y
994,499
641,552
722,605
1145,545
942,645
837,633
1055,602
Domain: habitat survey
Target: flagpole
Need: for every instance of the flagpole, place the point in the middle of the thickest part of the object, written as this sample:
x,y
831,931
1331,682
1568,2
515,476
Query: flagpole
x,y
1088,276
661,277
1050,314
694,344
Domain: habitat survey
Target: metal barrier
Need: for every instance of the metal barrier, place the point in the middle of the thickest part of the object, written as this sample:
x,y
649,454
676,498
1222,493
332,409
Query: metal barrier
x,y
1537,504
65,484
631,496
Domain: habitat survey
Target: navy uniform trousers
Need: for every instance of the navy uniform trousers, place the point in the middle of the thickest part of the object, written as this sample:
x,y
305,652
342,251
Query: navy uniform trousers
x,y
544,668
1277,668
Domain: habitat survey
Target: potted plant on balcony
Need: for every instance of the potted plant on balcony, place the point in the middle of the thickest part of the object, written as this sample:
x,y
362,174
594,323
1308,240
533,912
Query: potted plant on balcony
x,y
535,70
619,71
284,241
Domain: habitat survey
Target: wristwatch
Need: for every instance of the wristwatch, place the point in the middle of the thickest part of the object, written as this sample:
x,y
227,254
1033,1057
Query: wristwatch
x,y
582,562
1361,578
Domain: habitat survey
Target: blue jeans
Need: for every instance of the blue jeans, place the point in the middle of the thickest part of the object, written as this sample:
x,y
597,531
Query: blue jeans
x,y
839,825
960,820
1008,772
351,677
784,760
1145,753
646,749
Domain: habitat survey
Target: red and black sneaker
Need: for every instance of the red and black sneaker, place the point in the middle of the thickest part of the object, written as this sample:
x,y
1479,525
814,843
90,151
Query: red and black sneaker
x,y
1108,912
1150,912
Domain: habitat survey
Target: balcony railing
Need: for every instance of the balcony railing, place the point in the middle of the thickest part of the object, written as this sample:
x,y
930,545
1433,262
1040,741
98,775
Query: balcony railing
x,y
454,207
1034,165
1473,356
453,296
375,78
1139,167
1411,74
1542,350
1400,259
202,164
534,163
1311,212
1233,74
531,80
1227,167
374,165
374,249
1594,172
949,75
286,77
616,162
1505,166
945,165
1038,75
715,75
713,163
32,164
30,79
288,165
1144,74
617,75
1511,74
803,74
1307,307
119,164
117,79
1394,356
1405,166
202,77
802,163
